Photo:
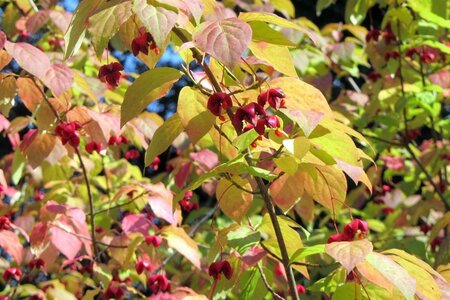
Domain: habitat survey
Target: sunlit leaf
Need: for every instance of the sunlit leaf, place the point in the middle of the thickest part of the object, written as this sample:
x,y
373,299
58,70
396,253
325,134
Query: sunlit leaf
x,y
178,239
349,254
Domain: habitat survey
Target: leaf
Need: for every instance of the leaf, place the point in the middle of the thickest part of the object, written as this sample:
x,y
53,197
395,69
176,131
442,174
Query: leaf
x,y
374,276
225,40
301,253
196,119
5,59
307,120
262,32
106,22
163,137
77,28
136,223
243,141
3,39
424,10
30,94
284,6
178,239
440,224
302,96
277,56
10,242
57,77
40,149
149,86
233,201
395,274
160,200
298,146
65,240
291,237
157,20
326,185
286,191
276,20
349,254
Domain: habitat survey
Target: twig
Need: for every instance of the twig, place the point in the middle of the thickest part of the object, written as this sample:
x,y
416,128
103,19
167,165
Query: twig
x,y
89,239
383,140
121,204
266,283
91,202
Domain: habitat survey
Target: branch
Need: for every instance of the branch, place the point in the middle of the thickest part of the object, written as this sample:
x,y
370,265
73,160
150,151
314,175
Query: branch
x,y
91,202
121,204
266,283
89,239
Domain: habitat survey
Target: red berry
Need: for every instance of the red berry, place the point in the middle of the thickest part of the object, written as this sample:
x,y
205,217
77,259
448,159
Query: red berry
x,y
221,267
5,223
373,34
154,240
391,55
300,289
68,133
218,102
14,273
110,73
275,97
36,263
93,146
155,163
114,290
158,283
143,265
132,154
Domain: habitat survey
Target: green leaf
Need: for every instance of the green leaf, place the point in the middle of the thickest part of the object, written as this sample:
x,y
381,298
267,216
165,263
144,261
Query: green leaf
x,y
163,137
196,119
243,238
277,56
298,146
149,86
356,10
252,284
423,8
284,6
106,23
244,140
349,254
18,166
262,32
301,253
157,20
276,20
77,28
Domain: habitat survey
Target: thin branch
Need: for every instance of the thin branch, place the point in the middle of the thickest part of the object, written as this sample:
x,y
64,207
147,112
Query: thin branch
x,y
237,185
55,113
89,239
91,202
120,204
383,140
266,283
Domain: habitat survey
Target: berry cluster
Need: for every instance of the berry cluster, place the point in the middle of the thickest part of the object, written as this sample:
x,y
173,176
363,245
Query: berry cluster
x,y
186,204
426,54
142,42
349,232
216,270
387,34
68,132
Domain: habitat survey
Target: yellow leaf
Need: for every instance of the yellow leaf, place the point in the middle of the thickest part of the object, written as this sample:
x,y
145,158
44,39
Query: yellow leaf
x,y
233,201
178,239
277,56
349,254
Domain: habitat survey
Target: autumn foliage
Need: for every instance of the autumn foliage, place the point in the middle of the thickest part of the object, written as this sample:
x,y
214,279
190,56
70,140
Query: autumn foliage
x,y
293,160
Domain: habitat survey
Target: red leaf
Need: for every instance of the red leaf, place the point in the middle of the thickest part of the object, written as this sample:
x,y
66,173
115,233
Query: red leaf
x,y
11,244
206,158
136,223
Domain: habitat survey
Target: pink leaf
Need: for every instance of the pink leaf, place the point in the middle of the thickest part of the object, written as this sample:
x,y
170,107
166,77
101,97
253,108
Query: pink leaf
x,y
67,243
226,40
61,19
11,244
354,172
349,254
30,58
136,223
58,78
206,158
36,21
160,200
